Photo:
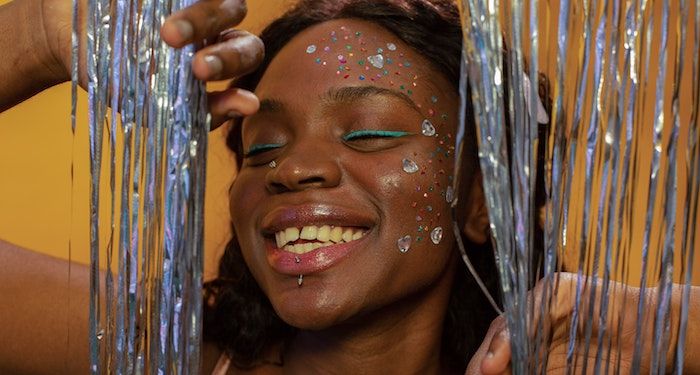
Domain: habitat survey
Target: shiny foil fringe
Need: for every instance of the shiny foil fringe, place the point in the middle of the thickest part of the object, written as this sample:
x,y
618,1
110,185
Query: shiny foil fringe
x,y
620,165
148,319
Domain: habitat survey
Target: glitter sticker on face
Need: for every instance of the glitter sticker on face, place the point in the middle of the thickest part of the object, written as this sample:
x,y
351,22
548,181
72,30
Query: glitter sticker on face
x,y
436,235
360,60
404,243
358,56
410,166
427,128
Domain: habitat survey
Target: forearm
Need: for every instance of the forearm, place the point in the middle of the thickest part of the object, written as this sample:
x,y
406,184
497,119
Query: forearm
x,y
27,63
692,336
43,314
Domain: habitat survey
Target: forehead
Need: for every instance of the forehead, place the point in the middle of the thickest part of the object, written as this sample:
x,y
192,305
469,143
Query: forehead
x,y
346,53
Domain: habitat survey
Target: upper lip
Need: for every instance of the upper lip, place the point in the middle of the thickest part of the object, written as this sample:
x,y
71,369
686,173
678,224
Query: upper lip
x,y
300,215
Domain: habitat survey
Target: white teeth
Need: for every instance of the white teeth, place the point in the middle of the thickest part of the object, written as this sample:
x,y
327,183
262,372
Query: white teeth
x,y
292,234
347,235
309,233
324,235
336,234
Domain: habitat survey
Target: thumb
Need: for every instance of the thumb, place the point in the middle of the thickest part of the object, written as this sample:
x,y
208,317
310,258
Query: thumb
x,y
493,356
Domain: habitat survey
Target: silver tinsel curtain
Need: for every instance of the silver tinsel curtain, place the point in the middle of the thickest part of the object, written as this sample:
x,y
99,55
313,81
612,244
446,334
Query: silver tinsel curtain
x,y
620,167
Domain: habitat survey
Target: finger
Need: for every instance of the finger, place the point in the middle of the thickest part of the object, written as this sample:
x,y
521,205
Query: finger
x,y
228,104
474,367
204,19
497,359
238,53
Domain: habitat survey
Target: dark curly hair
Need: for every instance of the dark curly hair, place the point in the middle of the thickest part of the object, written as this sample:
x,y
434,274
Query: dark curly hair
x,y
238,316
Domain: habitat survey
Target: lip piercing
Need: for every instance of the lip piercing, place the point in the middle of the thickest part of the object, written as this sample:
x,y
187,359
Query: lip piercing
x,y
297,259
272,164
300,280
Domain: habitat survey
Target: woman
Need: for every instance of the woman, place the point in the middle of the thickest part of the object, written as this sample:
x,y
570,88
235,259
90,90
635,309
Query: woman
x,y
339,263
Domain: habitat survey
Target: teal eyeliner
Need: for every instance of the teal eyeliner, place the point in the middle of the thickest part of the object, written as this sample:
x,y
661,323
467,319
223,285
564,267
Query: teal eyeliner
x,y
261,147
374,133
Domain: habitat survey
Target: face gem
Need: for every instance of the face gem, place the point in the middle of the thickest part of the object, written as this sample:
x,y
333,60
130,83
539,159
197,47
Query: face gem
x,y
436,235
391,46
449,194
404,243
377,61
410,166
434,99
428,129
311,48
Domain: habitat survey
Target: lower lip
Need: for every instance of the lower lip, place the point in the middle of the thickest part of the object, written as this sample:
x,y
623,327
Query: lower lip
x,y
293,264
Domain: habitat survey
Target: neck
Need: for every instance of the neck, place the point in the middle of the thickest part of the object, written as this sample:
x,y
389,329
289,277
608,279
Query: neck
x,y
404,338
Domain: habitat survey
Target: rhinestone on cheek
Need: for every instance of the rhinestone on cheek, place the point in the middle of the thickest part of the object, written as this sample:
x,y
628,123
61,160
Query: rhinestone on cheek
x,y
436,235
410,166
404,243
427,128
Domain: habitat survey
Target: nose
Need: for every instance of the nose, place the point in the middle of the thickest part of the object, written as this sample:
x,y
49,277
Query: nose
x,y
304,166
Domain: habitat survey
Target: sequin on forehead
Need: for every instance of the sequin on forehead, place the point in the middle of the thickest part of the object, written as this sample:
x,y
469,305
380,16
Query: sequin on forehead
x,y
391,46
436,235
410,166
427,128
311,48
377,61
404,243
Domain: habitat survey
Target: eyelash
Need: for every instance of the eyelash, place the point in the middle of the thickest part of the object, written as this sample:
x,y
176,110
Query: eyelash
x,y
368,134
261,148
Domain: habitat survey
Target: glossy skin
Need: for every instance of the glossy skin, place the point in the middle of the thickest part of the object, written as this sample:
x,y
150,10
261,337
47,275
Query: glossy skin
x,y
322,179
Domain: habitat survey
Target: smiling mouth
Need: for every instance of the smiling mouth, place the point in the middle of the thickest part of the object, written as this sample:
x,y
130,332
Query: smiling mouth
x,y
309,238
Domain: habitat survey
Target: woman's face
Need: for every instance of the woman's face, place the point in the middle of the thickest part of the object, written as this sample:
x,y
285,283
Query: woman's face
x,y
346,175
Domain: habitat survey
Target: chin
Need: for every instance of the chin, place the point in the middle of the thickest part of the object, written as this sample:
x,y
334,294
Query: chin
x,y
311,309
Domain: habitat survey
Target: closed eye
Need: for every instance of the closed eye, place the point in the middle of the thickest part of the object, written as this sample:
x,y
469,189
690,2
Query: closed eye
x,y
369,134
260,148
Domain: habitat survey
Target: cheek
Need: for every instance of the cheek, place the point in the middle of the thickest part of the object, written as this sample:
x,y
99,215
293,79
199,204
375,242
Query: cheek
x,y
245,195
413,189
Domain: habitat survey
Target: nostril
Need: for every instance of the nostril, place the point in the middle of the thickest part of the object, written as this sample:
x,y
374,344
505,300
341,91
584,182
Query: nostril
x,y
312,181
277,187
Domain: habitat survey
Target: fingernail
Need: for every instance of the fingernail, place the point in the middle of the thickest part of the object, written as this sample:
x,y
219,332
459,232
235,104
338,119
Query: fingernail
x,y
185,29
214,63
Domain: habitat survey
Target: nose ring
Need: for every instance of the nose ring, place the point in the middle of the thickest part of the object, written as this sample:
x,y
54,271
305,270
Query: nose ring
x,y
272,164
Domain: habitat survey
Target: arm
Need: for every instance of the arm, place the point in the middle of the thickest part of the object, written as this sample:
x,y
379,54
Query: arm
x,y
29,63
44,316
692,336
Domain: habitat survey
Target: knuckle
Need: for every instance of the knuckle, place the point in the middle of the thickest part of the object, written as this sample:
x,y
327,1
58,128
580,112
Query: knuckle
x,y
235,10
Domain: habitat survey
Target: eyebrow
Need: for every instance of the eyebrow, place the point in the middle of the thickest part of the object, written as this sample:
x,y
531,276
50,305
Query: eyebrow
x,y
346,94
352,93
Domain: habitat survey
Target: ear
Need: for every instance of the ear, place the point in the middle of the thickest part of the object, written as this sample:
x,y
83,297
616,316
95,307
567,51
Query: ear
x,y
476,222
